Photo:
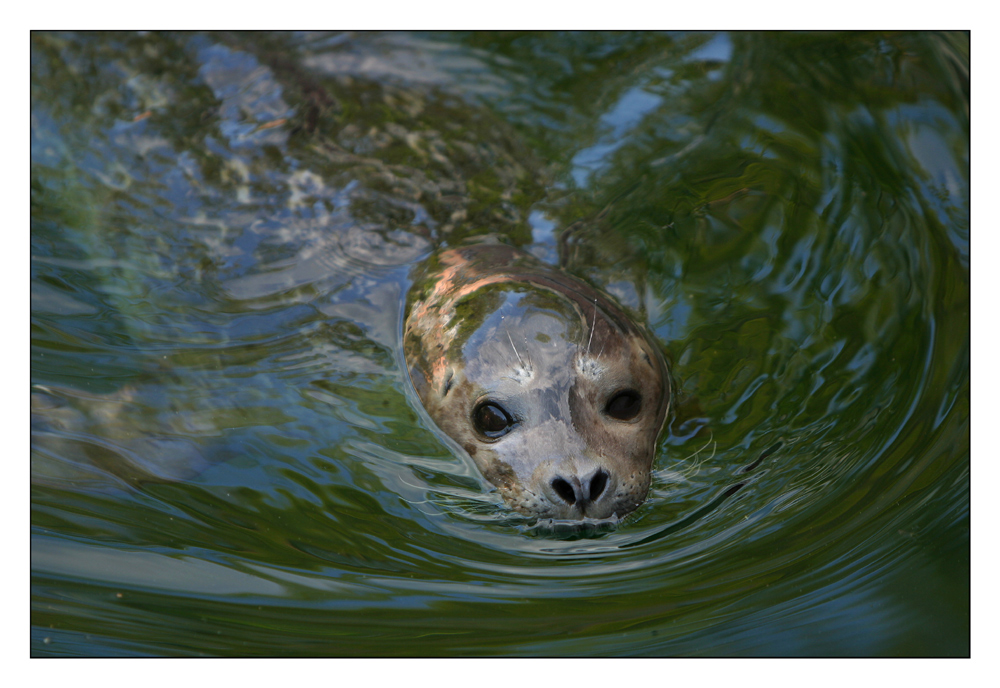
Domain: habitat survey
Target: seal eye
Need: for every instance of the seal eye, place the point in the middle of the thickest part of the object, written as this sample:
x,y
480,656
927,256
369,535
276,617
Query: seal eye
x,y
491,420
624,405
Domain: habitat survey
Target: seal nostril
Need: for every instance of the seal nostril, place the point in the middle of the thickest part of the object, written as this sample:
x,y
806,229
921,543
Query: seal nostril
x,y
564,490
597,484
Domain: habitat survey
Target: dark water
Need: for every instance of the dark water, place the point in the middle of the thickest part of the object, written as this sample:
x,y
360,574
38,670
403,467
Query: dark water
x,y
226,458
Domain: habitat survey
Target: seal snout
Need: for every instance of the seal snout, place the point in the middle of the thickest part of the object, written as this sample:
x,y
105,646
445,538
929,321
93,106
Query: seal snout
x,y
570,489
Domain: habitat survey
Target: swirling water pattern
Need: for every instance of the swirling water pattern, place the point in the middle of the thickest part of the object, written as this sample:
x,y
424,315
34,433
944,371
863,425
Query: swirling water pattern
x,y
226,457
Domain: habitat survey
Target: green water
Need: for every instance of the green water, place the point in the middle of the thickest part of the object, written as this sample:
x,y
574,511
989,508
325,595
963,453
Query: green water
x,y
227,460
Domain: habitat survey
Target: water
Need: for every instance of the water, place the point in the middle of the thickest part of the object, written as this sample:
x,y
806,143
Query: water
x,y
226,458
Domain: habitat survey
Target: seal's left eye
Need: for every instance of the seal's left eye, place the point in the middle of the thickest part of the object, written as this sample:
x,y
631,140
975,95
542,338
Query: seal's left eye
x,y
492,420
624,405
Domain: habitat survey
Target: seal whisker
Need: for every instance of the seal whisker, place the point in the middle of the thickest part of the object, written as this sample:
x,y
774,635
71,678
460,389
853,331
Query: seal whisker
x,y
593,326
686,471
514,347
509,339
696,466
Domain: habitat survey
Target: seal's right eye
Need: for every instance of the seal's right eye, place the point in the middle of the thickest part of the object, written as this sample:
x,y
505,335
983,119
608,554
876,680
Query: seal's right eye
x,y
625,405
491,420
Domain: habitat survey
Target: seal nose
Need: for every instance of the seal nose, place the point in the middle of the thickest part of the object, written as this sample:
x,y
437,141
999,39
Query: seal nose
x,y
578,491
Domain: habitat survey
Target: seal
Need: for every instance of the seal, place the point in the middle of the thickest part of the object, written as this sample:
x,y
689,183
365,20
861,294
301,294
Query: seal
x,y
552,390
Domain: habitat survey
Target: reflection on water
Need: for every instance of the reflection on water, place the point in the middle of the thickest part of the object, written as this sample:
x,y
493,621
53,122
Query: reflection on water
x,y
226,456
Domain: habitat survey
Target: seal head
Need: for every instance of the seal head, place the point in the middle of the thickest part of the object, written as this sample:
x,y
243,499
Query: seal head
x,y
552,390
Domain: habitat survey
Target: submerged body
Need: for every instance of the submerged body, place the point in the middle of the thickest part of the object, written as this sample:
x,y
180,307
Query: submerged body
x,y
552,390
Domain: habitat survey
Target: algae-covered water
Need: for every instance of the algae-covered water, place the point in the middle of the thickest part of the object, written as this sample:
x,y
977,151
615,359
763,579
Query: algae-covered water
x,y
226,456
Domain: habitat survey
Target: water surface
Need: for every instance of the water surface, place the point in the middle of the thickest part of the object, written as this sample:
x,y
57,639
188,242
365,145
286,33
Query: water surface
x,y
226,456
